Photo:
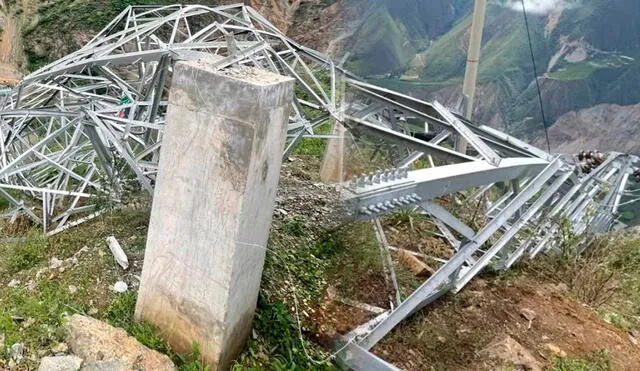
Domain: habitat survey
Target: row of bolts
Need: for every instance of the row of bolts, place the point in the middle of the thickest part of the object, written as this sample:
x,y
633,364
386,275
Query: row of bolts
x,y
391,204
378,177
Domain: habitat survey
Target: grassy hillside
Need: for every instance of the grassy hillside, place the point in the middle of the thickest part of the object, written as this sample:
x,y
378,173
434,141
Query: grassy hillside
x,y
393,33
381,42
587,55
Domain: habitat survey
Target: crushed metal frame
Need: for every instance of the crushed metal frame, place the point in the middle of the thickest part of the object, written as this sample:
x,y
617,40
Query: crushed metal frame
x,y
89,126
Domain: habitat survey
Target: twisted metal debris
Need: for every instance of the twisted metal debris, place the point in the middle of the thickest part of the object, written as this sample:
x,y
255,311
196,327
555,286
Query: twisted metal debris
x,y
89,127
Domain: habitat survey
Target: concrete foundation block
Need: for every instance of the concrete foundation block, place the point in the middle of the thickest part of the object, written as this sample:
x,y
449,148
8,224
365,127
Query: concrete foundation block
x,y
218,173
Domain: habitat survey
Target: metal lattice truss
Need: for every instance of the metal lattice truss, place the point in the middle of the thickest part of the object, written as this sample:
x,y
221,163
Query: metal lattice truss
x,y
76,130
89,127
537,198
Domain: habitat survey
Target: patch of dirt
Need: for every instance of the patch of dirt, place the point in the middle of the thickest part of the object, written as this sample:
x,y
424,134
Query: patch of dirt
x,y
333,319
372,289
418,236
453,333
10,48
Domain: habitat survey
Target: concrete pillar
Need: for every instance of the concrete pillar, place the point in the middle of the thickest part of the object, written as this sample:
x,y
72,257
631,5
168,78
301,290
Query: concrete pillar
x,y
471,70
218,173
332,167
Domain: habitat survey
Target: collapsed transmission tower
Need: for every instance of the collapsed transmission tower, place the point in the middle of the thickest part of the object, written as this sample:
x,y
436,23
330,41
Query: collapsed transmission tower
x,y
89,127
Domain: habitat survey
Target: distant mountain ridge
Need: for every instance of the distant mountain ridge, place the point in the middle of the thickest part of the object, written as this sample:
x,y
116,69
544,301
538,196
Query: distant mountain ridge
x,y
587,54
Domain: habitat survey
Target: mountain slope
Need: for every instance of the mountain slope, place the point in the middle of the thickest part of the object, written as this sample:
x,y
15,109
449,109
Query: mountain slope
x,y
393,33
607,127
587,53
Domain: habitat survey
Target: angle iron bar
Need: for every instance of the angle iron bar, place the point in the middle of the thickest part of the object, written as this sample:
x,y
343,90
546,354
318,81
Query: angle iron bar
x,y
447,218
434,286
478,144
513,230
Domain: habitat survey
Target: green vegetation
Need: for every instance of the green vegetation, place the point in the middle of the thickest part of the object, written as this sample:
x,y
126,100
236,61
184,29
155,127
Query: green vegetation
x,y
120,312
606,276
34,311
279,346
80,20
597,361
313,146
381,42
578,71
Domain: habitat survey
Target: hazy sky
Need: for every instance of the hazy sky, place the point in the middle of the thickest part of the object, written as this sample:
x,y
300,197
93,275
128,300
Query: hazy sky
x,y
541,6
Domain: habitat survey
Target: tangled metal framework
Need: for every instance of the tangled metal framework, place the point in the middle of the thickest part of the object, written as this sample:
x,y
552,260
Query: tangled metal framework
x,y
81,126
90,126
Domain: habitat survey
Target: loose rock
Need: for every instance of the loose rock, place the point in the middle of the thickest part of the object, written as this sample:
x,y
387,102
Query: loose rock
x,y
110,365
17,351
63,363
96,341
419,268
528,314
60,348
510,351
120,287
555,350
118,253
55,263
14,283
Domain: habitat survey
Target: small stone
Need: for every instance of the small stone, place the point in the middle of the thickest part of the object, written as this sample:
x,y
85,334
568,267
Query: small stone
x,y
120,287
633,340
555,350
70,262
62,363
528,314
562,288
441,339
72,289
109,365
510,351
60,348
419,268
93,311
28,322
30,286
17,350
14,283
55,263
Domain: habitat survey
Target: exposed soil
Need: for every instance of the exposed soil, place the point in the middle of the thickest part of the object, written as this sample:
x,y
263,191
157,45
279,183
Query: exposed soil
x,y
9,47
452,333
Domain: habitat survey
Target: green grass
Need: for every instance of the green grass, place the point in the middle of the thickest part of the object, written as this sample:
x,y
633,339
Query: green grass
x,y
579,71
278,345
446,58
382,45
313,146
33,312
597,361
120,314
